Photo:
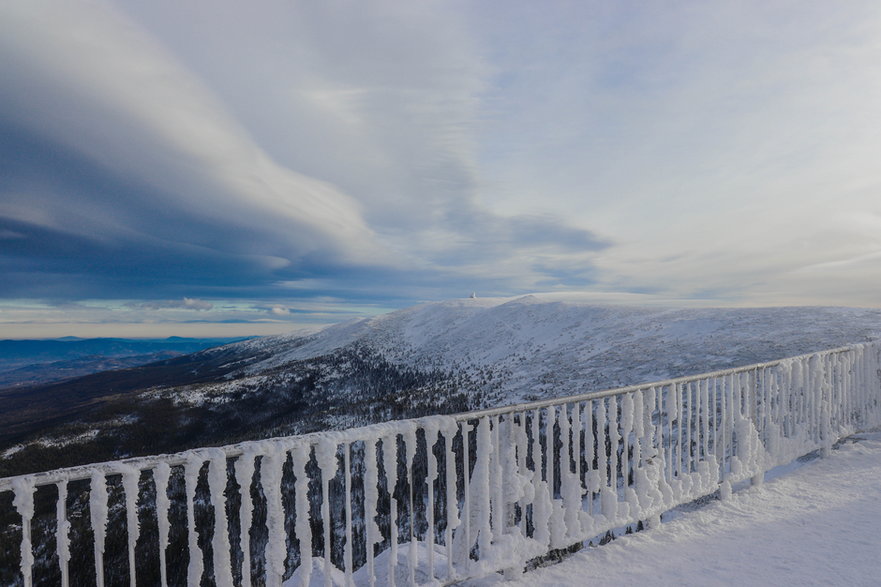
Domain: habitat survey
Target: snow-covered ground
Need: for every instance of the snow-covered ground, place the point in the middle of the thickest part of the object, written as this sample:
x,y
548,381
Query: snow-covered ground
x,y
817,523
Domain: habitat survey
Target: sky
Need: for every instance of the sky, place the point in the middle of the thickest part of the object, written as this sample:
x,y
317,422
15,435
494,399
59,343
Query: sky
x,y
227,168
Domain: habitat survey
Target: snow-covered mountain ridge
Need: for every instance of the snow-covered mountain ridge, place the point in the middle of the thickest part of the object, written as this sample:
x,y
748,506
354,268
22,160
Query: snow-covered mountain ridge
x,y
544,346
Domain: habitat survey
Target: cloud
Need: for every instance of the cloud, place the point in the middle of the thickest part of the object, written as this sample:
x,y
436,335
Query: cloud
x,y
389,153
278,310
144,155
10,234
141,154
185,303
720,146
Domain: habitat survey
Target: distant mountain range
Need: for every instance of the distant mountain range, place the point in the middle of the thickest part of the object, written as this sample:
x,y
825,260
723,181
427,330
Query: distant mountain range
x,y
32,362
433,358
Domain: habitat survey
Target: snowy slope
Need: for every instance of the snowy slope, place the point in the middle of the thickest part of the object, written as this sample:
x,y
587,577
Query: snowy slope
x,y
538,346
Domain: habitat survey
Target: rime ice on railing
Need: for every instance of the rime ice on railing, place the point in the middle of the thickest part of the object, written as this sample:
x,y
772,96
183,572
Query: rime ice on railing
x,y
439,499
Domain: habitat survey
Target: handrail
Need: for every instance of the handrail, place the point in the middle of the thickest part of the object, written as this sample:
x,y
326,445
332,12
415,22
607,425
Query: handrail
x,y
464,416
445,498
81,472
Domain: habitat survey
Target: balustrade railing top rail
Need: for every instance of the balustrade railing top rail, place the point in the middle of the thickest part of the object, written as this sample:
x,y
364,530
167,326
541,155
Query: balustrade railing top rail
x,y
354,434
432,500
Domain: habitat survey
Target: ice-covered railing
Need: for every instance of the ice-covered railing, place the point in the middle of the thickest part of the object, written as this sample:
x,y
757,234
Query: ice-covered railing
x,y
433,500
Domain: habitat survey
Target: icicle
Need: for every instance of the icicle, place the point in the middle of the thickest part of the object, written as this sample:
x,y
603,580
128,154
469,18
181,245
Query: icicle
x,y
591,473
791,402
325,454
497,478
244,472
688,413
524,475
610,492
548,457
24,505
678,392
161,475
130,478
628,421
773,432
271,467
762,405
514,483
480,487
577,430
431,432
217,481
724,408
602,456
650,446
191,477
734,412
826,409
647,470
466,497
613,422
670,408
409,446
372,532
390,464
302,526
715,415
845,386
569,485
541,507
639,427
62,533
705,418
347,551
98,511
844,365
556,521
453,519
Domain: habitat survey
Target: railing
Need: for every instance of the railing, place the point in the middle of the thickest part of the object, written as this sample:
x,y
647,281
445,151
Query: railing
x,y
440,499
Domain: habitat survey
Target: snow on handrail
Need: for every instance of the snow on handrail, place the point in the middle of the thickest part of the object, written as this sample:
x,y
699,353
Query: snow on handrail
x,y
433,500
637,387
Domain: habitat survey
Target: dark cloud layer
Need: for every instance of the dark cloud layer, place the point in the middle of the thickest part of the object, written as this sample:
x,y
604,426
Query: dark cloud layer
x,y
134,166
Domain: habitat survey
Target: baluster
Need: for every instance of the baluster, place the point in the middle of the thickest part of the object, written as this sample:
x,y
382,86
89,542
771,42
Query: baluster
x,y
466,481
325,454
98,514
347,552
390,464
130,478
372,534
217,481
409,445
453,520
23,501
62,533
589,454
244,473
161,475
431,432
